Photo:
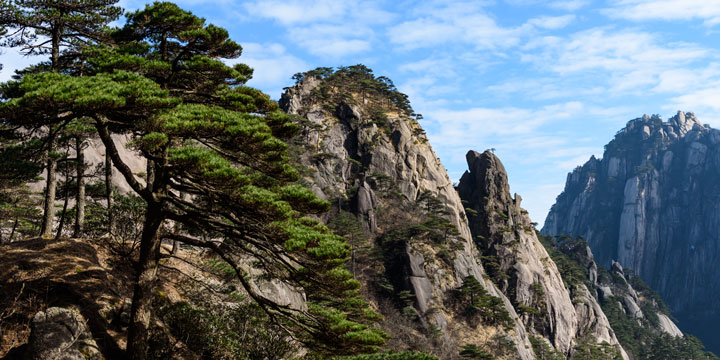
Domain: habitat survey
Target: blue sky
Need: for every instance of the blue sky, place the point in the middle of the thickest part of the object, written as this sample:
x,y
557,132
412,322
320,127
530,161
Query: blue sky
x,y
545,83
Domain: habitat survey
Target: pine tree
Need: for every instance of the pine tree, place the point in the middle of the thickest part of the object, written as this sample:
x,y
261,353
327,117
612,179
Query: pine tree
x,y
218,166
19,164
41,27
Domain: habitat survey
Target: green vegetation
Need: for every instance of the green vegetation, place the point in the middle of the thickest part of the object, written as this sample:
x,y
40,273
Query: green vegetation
x,y
543,350
565,251
640,337
212,332
217,160
406,355
472,351
338,85
587,348
478,302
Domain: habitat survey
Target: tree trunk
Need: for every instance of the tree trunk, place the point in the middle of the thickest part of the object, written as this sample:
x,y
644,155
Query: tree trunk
x,y
50,188
109,192
150,174
12,233
55,52
65,204
80,196
145,277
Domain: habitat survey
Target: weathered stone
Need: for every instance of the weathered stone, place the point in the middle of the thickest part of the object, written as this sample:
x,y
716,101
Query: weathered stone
x,y
347,151
668,326
504,232
61,334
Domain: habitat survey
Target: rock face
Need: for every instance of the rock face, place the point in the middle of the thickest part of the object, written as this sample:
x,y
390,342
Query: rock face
x,y
653,204
374,162
519,263
61,334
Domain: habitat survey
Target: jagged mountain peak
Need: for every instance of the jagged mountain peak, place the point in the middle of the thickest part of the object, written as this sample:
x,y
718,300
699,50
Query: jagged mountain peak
x,y
487,174
651,205
563,316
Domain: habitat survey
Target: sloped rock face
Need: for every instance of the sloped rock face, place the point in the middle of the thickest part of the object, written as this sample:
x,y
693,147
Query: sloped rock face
x,y
521,266
375,163
653,204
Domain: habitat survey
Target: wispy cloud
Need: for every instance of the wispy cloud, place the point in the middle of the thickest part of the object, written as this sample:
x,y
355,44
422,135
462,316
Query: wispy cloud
x,y
627,60
568,5
707,11
272,66
325,28
471,24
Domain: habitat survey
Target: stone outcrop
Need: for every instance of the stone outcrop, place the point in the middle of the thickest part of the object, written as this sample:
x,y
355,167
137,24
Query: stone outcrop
x,y
61,334
651,204
375,162
521,266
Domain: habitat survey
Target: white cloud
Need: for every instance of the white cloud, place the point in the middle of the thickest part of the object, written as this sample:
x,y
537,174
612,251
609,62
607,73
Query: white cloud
x,y
704,102
463,126
325,28
569,5
640,10
294,12
273,66
552,22
329,40
477,29
625,60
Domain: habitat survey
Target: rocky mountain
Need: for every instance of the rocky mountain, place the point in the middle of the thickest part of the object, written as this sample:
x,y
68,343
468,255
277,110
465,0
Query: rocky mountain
x,y
652,204
417,240
452,270
396,204
521,267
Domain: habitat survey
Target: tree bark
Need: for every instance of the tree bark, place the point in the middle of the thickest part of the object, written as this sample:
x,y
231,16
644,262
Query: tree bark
x,y
65,204
55,49
80,195
109,192
12,233
146,274
150,174
50,188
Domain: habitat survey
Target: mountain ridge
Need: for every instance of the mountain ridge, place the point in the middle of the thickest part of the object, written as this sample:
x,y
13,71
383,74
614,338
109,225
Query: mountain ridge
x,y
651,204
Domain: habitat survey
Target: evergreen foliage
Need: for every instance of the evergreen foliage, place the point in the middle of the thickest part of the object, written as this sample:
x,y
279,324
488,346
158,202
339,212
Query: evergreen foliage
x,y
477,301
405,355
211,332
640,337
587,348
472,351
564,252
338,84
208,138
41,27
543,351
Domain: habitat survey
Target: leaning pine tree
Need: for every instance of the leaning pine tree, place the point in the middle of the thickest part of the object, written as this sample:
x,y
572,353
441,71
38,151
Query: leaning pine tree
x,y
219,166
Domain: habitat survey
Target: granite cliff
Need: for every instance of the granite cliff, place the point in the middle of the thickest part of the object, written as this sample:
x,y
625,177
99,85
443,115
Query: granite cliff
x,y
449,268
651,204
414,244
521,267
